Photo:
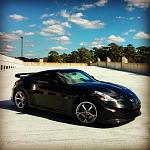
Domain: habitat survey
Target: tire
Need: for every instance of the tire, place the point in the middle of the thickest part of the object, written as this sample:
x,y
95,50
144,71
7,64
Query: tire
x,y
20,100
86,112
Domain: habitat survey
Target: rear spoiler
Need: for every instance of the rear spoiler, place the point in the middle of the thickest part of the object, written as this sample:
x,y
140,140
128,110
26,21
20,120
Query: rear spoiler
x,y
22,75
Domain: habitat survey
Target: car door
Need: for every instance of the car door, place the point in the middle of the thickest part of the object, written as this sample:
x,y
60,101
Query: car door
x,y
49,92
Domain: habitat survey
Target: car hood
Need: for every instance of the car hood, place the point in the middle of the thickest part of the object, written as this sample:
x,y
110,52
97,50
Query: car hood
x,y
124,96
101,86
111,89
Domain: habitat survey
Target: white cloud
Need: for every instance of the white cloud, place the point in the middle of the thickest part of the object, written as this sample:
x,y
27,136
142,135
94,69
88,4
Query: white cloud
x,y
125,33
9,48
45,15
142,35
30,54
5,49
54,22
87,24
32,25
22,33
127,18
132,4
8,36
52,14
66,24
138,17
129,31
50,22
120,17
96,43
58,48
32,45
115,39
132,30
85,6
54,29
15,35
64,14
17,18
84,44
62,40
42,33
99,3
4,52
130,18
29,44
130,8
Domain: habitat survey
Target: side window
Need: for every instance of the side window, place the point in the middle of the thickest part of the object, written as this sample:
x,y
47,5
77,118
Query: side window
x,y
43,78
48,78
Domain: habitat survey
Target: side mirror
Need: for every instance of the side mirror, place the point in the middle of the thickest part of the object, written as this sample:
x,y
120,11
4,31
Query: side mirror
x,y
93,77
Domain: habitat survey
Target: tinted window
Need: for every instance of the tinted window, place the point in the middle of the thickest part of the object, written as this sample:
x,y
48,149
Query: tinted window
x,y
74,77
47,77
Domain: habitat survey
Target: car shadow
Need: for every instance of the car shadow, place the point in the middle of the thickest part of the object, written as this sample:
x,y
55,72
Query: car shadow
x,y
9,105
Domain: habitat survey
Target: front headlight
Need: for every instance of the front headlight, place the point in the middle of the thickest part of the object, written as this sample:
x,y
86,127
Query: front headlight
x,y
104,97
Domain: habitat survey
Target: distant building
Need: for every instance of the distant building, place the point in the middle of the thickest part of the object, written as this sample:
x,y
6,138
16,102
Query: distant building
x,y
124,60
41,60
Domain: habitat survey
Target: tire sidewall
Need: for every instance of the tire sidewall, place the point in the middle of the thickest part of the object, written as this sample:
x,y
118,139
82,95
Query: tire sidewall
x,y
26,101
75,107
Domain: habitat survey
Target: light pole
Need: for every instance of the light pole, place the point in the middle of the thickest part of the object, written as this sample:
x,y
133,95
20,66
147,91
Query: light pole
x,y
21,46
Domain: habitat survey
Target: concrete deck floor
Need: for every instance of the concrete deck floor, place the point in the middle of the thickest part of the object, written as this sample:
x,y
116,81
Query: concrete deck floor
x,y
35,129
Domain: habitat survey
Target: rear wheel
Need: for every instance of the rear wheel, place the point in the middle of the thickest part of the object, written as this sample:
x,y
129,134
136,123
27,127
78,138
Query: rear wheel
x,y
20,99
86,112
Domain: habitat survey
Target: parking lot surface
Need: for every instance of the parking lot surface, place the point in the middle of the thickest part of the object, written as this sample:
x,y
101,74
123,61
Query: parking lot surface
x,y
39,130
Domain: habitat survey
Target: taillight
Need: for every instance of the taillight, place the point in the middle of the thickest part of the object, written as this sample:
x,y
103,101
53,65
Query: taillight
x,y
18,82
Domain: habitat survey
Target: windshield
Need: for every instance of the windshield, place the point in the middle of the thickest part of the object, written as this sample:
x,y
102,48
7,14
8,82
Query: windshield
x,y
75,77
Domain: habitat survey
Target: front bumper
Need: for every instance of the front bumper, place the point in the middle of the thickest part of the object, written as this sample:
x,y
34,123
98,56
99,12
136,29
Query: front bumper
x,y
122,115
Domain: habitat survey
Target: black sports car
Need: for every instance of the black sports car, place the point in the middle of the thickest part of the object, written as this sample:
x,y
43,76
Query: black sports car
x,y
74,92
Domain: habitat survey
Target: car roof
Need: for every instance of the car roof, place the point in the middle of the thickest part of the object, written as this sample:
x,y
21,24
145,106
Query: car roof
x,y
59,70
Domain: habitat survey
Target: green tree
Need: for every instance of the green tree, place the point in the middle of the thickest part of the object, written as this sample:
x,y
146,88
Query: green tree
x,y
115,52
66,58
130,53
53,56
143,54
75,57
101,53
92,55
84,55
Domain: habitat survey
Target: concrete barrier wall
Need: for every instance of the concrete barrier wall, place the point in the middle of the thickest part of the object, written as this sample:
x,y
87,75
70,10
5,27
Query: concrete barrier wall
x,y
141,68
102,64
136,67
53,64
7,62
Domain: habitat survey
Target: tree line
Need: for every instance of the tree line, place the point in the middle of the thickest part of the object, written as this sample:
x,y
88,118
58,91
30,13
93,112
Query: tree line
x,y
113,51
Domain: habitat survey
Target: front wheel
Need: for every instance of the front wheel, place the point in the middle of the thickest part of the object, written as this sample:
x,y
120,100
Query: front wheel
x,y
86,112
20,99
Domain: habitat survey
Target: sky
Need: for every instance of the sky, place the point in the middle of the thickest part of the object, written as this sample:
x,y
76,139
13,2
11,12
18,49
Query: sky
x,y
66,25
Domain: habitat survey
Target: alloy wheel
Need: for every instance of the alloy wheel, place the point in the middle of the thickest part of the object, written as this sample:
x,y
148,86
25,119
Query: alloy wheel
x,y
86,112
20,99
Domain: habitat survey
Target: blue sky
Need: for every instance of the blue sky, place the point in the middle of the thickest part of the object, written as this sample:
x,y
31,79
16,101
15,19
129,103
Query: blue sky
x,y
66,25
